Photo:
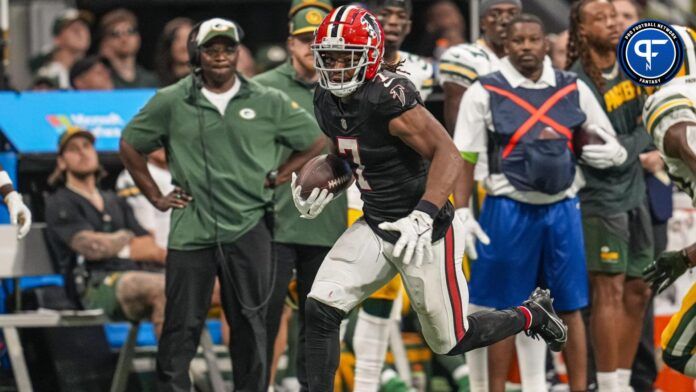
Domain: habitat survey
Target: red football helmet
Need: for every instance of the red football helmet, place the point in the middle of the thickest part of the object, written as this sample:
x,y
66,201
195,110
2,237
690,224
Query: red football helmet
x,y
348,49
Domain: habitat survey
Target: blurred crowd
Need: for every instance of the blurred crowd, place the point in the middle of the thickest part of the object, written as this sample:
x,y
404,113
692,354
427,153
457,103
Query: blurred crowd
x,y
114,65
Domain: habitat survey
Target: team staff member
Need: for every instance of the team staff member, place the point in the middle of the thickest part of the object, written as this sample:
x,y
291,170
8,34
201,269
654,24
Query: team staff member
x,y
299,243
222,134
616,219
531,211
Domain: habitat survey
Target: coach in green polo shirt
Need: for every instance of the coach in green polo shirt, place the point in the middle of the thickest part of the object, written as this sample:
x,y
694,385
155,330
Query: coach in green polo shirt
x,y
223,135
300,243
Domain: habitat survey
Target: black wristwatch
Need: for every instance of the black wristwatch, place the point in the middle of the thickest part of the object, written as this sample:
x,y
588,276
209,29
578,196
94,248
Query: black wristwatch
x,y
272,176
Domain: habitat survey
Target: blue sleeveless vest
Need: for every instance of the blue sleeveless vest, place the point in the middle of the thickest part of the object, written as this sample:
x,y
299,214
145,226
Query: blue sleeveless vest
x,y
531,144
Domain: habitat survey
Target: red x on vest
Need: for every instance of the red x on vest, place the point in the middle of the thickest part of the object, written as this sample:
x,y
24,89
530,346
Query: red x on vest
x,y
537,114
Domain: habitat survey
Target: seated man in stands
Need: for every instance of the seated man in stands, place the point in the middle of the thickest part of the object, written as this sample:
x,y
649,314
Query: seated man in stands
x,y
84,221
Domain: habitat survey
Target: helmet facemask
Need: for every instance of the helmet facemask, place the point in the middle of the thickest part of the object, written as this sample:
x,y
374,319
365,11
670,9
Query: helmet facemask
x,y
355,58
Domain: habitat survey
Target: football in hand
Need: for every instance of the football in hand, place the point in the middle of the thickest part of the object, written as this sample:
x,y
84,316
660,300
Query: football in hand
x,y
584,136
328,172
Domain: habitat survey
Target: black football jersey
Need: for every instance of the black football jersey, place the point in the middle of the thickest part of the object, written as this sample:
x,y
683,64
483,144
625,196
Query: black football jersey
x,y
391,175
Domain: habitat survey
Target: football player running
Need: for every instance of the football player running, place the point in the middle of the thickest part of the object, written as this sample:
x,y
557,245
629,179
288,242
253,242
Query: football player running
x,y
670,116
405,165
371,336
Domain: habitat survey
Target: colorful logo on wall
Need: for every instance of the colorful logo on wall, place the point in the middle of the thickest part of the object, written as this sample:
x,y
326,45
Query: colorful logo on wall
x,y
101,125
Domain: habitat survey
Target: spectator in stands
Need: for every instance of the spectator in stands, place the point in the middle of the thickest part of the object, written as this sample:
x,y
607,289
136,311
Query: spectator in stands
x,y
71,40
86,222
558,49
91,73
42,83
444,28
171,55
627,13
120,43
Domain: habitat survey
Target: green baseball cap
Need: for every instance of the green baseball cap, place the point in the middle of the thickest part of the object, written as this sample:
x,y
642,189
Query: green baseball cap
x,y
298,5
218,27
307,20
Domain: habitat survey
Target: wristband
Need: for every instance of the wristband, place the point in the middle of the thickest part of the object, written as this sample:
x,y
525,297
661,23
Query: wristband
x,y
427,207
5,179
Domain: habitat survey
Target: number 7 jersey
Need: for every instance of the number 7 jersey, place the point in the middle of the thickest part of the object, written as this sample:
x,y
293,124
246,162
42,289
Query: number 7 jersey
x,y
391,175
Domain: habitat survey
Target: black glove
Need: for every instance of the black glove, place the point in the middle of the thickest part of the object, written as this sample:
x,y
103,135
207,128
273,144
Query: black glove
x,y
662,272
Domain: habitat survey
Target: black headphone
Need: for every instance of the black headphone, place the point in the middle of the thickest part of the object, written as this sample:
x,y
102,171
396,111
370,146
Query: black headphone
x,y
194,51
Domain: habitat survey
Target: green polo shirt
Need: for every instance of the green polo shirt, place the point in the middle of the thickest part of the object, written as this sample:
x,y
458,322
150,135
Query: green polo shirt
x,y
240,147
289,227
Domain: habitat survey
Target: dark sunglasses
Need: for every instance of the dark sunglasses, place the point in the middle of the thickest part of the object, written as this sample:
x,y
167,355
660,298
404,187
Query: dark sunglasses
x,y
122,33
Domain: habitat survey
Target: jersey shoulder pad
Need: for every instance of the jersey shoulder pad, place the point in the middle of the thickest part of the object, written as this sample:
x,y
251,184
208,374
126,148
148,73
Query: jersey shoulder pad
x,y
664,102
463,64
391,94
418,62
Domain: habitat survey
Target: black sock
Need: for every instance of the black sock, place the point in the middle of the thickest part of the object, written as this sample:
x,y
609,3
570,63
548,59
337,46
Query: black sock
x,y
488,327
322,345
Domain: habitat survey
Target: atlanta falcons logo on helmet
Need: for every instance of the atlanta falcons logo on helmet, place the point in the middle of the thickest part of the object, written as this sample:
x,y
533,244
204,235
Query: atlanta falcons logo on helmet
x,y
370,24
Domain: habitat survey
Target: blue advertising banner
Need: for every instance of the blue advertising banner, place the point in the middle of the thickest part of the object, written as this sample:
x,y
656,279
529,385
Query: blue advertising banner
x,y
33,121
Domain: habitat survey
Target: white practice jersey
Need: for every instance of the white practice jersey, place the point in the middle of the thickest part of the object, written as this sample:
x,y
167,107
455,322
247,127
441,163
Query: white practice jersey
x,y
149,217
463,64
673,103
419,70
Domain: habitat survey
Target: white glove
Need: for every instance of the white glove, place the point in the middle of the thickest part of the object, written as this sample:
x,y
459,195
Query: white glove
x,y
315,203
416,237
19,213
471,231
602,156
